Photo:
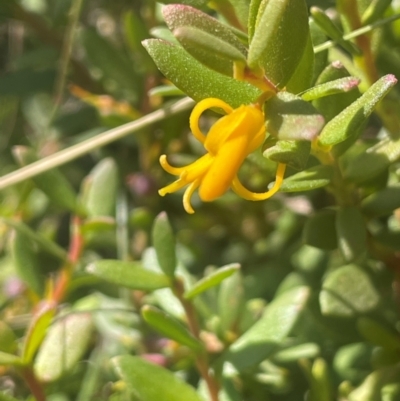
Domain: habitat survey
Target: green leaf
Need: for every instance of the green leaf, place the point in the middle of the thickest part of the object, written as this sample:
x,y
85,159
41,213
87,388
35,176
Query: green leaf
x,y
209,49
377,334
350,119
373,162
135,30
253,11
280,38
52,183
331,106
193,3
37,330
42,241
151,382
320,230
291,118
205,38
320,58
241,8
7,338
164,244
212,280
65,344
292,280
196,80
293,354
110,61
98,224
382,203
347,292
293,153
374,11
230,302
274,326
170,327
27,81
128,274
321,385
302,78
307,180
178,15
388,238
331,30
373,385
351,233
352,361
341,85
100,189
26,263
9,359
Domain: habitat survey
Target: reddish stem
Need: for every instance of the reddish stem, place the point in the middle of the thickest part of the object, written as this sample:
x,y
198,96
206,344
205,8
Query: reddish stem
x,y
367,60
34,385
74,253
201,359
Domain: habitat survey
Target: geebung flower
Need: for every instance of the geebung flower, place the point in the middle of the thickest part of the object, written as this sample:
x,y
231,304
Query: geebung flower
x,y
229,141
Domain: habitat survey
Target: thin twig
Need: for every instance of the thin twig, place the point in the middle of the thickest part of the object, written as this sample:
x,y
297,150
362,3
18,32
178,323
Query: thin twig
x,y
80,149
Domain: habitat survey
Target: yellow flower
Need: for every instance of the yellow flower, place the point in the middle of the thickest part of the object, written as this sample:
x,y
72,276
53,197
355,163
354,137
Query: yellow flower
x,y
229,141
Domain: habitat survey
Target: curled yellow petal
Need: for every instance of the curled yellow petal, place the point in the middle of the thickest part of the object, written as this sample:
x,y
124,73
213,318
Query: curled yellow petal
x,y
173,187
188,195
168,168
239,189
199,109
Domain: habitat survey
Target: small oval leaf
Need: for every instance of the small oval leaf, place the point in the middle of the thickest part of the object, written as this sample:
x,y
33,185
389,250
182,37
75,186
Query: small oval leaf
x,y
26,263
351,233
100,189
347,292
289,117
341,85
178,15
128,274
53,183
374,161
37,331
320,231
382,203
42,241
164,244
280,38
196,80
274,326
212,280
209,49
312,178
9,359
293,153
350,119
170,327
377,334
152,382
64,345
